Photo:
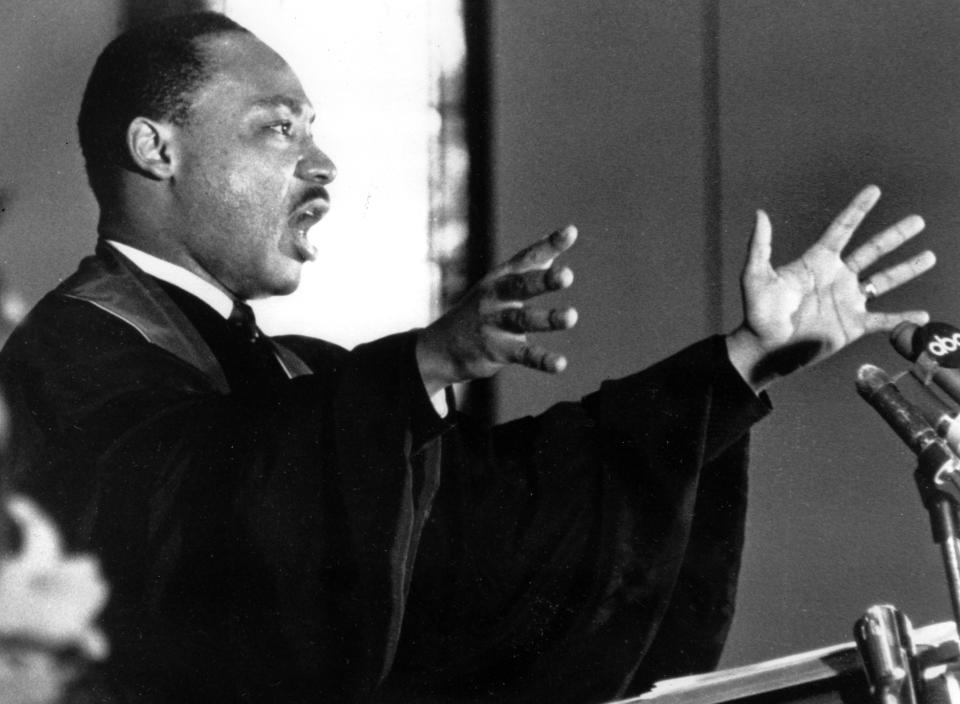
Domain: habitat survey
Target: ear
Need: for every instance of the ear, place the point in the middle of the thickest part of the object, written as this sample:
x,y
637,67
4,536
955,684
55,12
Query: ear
x,y
149,145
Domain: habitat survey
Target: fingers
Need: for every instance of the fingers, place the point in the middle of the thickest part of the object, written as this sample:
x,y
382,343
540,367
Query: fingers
x,y
486,329
530,272
844,225
541,254
520,287
523,320
536,357
759,249
897,275
511,326
884,322
879,245
41,542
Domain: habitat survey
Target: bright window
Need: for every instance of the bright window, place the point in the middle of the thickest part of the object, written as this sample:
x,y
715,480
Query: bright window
x,y
375,71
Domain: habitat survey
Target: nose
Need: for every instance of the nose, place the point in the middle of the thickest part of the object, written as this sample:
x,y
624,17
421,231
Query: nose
x,y
316,166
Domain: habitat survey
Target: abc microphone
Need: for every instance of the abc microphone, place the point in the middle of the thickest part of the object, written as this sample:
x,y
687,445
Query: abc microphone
x,y
942,346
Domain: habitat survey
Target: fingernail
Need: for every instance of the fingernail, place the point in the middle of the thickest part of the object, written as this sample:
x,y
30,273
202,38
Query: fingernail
x,y
564,237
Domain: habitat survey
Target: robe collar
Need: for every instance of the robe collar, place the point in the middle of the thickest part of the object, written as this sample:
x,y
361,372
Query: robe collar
x,y
119,287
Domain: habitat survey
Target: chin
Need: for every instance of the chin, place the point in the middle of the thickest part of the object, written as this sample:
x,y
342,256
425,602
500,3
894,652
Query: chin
x,y
286,290
286,285
277,284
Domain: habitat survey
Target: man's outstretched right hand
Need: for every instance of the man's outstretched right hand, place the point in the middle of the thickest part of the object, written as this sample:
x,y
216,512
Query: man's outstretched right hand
x,y
487,329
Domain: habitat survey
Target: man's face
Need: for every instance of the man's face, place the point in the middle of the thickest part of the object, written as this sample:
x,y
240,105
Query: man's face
x,y
249,179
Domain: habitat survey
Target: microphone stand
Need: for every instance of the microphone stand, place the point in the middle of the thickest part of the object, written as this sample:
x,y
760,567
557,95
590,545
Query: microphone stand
x,y
896,670
938,468
894,667
939,486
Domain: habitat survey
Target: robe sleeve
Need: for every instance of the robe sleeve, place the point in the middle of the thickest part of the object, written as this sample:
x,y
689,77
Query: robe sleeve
x,y
562,548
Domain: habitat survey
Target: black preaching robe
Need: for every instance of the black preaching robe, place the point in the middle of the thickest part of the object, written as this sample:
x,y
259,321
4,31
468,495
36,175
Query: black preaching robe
x,y
323,536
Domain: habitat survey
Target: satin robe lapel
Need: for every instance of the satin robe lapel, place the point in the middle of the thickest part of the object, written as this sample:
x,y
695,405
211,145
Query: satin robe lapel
x,y
114,284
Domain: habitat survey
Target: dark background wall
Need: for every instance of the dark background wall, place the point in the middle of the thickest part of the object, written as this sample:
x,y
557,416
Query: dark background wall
x,y
47,49
601,118
818,98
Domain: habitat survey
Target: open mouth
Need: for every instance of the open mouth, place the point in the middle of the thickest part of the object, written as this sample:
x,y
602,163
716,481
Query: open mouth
x,y
309,215
306,215
302,219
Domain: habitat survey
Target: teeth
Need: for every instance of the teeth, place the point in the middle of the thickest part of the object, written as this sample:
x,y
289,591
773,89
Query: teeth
x,y
311,214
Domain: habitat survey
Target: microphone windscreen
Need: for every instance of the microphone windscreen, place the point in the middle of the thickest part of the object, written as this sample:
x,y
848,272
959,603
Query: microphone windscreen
x,y
909,344
870,380
877,389
904,340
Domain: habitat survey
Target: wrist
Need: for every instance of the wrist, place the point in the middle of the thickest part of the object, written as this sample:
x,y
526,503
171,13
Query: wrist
x,y
436,371
747,355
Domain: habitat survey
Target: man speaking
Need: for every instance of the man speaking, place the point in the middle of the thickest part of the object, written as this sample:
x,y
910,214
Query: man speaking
x,y
283,520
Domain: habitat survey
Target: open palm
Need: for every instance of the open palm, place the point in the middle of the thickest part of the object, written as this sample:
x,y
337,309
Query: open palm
x,y
812,307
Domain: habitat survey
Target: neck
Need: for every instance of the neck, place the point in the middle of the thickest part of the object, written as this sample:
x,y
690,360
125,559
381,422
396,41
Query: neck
x,y
147,235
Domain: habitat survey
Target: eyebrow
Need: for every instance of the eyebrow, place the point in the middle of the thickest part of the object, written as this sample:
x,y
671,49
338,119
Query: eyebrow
x,y
272,101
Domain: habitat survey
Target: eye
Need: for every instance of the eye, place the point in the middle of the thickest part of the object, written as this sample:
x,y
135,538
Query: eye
x,y
284,127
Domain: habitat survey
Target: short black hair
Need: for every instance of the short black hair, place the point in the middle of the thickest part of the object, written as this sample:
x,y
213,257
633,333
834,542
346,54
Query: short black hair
x,y
148,71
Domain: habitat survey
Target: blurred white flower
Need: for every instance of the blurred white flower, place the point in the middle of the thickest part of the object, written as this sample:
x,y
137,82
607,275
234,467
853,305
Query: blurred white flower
x,y
48,605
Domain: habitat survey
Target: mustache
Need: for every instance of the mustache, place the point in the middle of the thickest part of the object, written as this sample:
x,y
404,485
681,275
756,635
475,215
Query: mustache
x,y
311,194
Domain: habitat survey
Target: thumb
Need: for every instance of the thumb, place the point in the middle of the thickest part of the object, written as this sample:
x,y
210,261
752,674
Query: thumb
x,y
40,540
760,248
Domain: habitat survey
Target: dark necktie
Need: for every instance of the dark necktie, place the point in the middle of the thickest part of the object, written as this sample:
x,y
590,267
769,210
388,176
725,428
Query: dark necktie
x,y
244,322
253,344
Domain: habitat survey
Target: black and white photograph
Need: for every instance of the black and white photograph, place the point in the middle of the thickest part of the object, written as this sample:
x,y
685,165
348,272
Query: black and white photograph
x,y
479,351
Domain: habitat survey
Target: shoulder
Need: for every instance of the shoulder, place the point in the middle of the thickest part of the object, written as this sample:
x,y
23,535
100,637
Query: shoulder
x,y
66,339
64,321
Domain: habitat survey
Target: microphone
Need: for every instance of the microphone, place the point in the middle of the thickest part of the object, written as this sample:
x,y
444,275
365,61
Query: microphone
x,y
885,643
938,466
943,419
877,389
905,340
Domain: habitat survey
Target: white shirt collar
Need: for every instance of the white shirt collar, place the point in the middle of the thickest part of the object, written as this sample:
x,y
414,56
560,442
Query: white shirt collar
x,y
178,276
208,293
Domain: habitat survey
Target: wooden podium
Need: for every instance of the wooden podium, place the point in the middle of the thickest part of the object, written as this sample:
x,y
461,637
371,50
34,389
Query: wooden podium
x,y
831,675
